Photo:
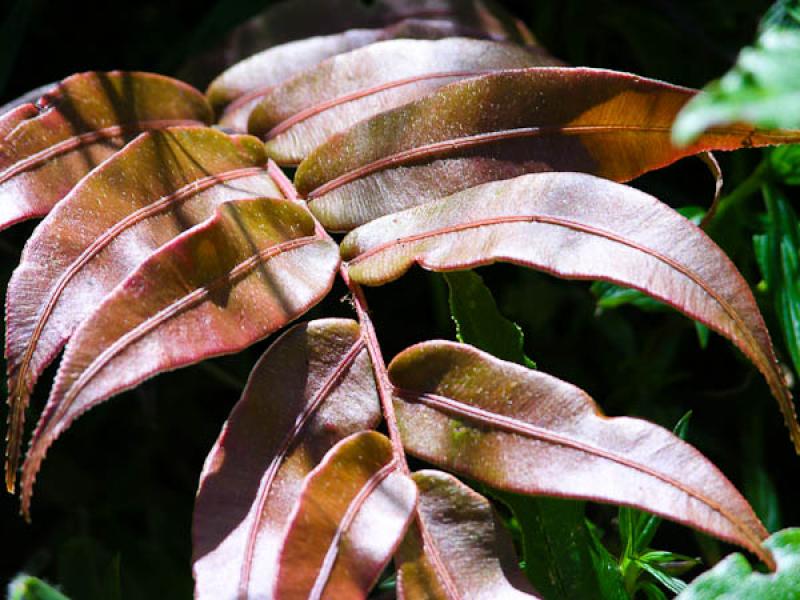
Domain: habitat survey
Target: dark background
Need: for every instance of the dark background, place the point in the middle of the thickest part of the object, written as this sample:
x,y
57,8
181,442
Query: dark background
x,y
114,498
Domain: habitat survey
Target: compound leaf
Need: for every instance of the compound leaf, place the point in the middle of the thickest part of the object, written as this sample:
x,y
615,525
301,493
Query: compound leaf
x,y
215,289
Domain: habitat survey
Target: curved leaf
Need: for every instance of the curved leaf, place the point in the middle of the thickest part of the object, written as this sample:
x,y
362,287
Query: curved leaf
x,y
458,547
301,113
352,513
734,579
237,91
156,187
499,126
82,121
523,431
215,289
576,226
310,389
288,21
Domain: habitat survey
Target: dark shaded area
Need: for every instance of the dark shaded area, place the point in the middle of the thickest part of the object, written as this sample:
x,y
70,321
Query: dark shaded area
x,y
117,491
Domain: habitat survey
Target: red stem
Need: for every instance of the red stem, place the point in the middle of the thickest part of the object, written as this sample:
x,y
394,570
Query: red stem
x,y
373,347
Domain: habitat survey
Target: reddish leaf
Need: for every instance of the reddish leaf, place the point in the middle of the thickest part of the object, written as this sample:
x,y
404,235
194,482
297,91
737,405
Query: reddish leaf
x,y
466,552
313,387
289,21
215,289
239,90
77,125
576,226
156,187
301,113
351,516
521,430
502,125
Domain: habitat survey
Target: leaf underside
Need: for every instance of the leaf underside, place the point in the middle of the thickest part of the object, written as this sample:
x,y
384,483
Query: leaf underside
x,y
458,547
310,389
576,226
502,125
303,112
351,515
160,185
523,431
215,289
47,147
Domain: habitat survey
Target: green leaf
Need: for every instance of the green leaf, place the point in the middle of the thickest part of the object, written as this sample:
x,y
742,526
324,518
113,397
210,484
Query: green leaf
x,y
734,578
611,581
25,587
762,88
784,163
777,256
479,322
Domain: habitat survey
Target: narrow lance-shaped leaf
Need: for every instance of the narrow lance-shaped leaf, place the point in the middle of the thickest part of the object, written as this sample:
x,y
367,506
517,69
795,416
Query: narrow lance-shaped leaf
x,y
556,546
458,547
159,185
311,388
576,226
215,289
237,91
301,113
351,516
499,126
283,40
521,430
47,147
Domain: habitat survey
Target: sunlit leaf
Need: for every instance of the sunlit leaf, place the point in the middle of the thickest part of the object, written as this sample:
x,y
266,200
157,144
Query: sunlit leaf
x,y
499,126
351,515
763,87
734,579
521,430
311,388
215,289
458,547
300,114
158,186
578,227
26,587
45,148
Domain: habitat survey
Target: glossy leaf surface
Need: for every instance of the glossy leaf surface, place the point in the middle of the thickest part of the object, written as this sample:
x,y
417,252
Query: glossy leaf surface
x,y
300,114
734,579
215,289
283,41
351,515
237,91
310,389
499,126
458,547
48,146
576,226
158,186
524,431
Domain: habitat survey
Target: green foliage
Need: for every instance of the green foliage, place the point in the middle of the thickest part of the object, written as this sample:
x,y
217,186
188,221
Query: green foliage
x,y
735,579
25,587
777,254
763,88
